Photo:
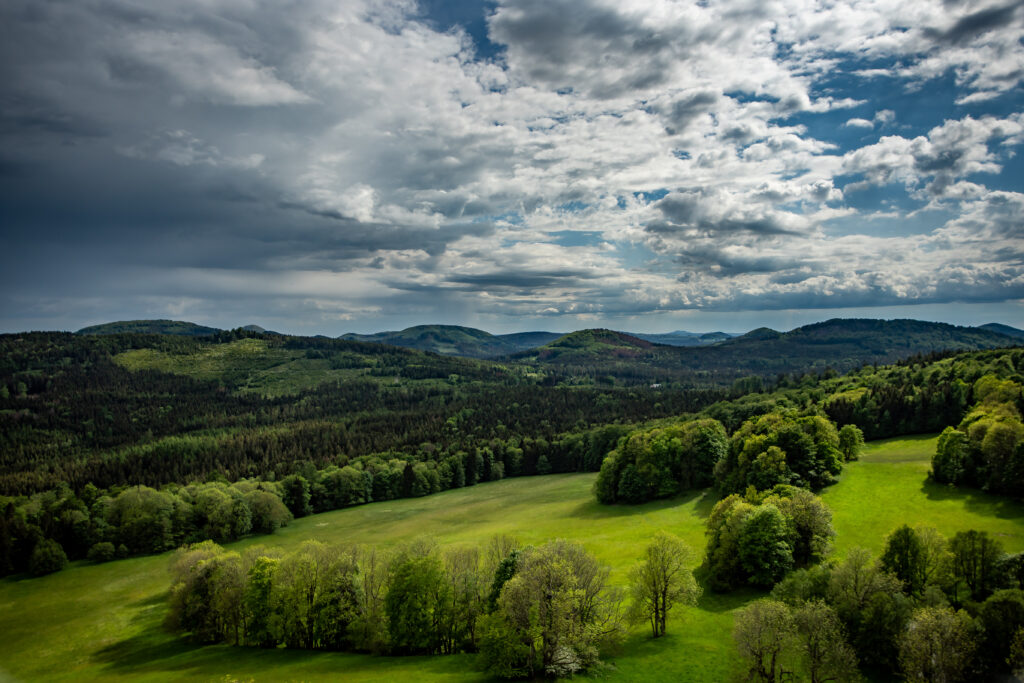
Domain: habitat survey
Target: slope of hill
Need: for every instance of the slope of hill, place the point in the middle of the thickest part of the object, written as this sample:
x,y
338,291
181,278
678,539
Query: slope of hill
x,y
999,328
839,344
521,341
683,338
175,327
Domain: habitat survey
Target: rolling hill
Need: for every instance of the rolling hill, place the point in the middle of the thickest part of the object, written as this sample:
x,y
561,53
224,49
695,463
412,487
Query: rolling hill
x,y
840,344
173,327
1003,329
454,340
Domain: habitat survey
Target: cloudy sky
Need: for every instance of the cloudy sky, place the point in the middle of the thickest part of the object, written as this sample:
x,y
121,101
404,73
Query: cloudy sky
x,y
319,166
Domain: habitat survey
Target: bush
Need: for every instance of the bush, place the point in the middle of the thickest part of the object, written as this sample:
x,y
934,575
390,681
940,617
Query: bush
x,y
47,558
102,552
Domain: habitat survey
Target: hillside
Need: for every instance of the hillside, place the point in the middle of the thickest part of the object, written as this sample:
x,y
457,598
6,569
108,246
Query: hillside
x,y
999,328
683,338
839,344
449,340
173,327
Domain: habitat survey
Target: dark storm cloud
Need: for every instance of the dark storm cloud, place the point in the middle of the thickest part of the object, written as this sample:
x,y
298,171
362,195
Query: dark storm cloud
x,y
582,45
519,280
688,108
977,23
709,214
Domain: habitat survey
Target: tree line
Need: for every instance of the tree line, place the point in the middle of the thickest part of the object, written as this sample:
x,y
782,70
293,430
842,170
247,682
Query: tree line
x,y
527,611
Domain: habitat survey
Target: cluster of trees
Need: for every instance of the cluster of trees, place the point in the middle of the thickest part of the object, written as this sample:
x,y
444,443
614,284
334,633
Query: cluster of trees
x,y
529,611
928,608
656,463
45,530
986,449
758,538
780,448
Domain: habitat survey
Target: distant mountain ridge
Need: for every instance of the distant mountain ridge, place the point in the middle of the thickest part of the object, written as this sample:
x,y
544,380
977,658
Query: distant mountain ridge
x,y
173,327
999,328
455,340
840,344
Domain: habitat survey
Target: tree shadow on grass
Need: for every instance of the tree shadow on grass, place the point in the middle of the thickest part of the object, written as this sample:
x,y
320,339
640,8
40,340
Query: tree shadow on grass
x,y
705,500
711,601
976,501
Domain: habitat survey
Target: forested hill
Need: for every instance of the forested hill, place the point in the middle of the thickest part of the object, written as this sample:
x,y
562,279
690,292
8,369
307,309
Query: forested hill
x,y
1003,329
454,340
839,344
175,327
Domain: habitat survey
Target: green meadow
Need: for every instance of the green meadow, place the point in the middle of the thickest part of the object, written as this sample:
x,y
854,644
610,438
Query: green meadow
x,y
104,622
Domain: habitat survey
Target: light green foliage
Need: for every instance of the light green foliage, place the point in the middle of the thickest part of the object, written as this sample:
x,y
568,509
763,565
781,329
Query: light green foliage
x,y
950,459
418,603
764,635
661,581
821,644
937,646
851,442
553,614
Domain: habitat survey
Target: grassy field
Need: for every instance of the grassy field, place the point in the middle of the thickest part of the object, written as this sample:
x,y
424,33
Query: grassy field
x,y
103,622
251,363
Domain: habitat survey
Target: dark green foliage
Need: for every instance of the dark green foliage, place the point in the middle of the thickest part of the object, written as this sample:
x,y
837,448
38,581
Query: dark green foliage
x,y
1001,616
103,551
174,327
780,449
48,557
904,558
505,571
976,562
759,539
295,495
764,549
661,462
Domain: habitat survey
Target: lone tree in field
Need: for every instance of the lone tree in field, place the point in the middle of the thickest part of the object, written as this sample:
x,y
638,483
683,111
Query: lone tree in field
x,y
661,581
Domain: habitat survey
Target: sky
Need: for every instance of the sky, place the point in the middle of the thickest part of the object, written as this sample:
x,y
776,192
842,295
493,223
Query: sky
x,y
330,166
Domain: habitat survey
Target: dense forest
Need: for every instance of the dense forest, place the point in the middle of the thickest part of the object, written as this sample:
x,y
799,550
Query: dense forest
x,y
123,444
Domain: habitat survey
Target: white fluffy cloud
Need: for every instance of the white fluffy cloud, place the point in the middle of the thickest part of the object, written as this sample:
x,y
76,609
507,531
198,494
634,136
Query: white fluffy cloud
x,y
613,158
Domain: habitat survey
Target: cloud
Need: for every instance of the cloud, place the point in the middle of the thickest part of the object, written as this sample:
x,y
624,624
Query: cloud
x,y
349,160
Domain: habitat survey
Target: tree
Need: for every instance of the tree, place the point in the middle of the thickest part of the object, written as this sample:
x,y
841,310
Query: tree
x,y
47,558
937,646
764,633
821,644
416,604
661,581
950,460
1001,617
904,558
764,546
975,562
851,442
295,495
552,616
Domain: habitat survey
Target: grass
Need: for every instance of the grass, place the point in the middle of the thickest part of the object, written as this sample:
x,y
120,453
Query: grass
x,y
251,364
103,622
